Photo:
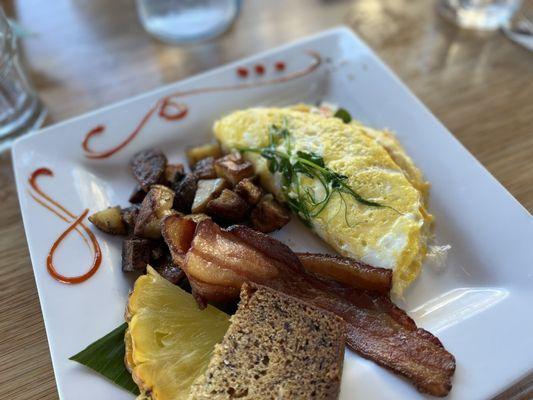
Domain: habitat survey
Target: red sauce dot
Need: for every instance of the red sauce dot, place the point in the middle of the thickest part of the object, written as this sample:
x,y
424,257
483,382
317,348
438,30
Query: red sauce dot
x,y
280,66
242,72
259,69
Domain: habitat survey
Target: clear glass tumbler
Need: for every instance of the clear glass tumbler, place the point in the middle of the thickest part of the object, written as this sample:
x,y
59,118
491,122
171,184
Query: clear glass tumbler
x,y
479,14
20,107
184,21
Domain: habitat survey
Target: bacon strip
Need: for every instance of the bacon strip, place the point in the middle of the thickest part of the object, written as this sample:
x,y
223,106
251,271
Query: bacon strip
x,y
348,271
219,261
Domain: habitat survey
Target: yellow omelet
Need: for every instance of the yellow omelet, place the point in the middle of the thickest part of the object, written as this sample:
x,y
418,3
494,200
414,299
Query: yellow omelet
x,y
392,235
385,138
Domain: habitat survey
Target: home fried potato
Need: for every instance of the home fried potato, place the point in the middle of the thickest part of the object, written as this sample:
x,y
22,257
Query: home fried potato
x,y
171,173
148,166
185,190
135,254
233,168
205,169
156,205
109,221
269,215
207,190
197,153
249,191
228,207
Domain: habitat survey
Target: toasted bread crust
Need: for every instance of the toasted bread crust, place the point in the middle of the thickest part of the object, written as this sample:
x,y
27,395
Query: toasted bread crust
x,y
277,347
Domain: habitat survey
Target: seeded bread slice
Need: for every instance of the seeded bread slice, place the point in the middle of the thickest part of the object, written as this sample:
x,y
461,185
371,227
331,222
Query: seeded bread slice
x,y
277,347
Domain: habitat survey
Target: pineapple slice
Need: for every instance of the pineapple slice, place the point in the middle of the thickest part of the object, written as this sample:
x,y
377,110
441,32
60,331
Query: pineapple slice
x,y
169,340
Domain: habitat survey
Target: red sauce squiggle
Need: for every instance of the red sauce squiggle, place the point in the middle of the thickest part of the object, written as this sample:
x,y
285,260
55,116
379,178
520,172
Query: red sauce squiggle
x,y
172,111
61,212
42,203
50,259
89,153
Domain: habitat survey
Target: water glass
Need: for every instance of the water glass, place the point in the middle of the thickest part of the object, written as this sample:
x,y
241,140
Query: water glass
x,y
479,14
20,107
183,21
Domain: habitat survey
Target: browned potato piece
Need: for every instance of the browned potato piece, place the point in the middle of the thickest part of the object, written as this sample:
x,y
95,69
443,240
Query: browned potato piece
x,y
137,196
249,191
135,254
207,190
185,190
171,273
197,217
172,172
198,153
109,221
233,168
148,166
158,253
156,205
228,207
129,216
205,168
269,215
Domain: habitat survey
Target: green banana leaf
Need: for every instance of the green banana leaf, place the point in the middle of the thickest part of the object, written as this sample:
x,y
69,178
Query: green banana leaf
x,y
106,356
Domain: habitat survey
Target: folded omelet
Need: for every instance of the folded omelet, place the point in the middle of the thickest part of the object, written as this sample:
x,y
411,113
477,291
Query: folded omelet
x,y
392,235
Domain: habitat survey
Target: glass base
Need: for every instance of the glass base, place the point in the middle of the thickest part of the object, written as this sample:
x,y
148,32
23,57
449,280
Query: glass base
x,y
482,15
158,30
32,119
186,21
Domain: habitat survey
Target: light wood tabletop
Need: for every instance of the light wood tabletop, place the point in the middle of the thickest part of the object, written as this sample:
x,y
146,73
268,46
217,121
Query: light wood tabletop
x,y
87,54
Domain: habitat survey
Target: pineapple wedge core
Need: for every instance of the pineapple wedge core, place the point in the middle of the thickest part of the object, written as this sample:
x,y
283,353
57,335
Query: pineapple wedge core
x,y
169,340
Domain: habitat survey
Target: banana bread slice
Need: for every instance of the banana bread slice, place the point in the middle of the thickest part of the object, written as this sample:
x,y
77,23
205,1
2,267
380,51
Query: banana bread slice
x,y
277,347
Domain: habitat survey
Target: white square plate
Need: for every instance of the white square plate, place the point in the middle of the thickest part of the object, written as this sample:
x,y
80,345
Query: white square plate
x,y
479,305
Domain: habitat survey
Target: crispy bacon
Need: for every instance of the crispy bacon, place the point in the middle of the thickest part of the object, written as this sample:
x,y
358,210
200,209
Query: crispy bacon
x,y
178,232
219,261
348,271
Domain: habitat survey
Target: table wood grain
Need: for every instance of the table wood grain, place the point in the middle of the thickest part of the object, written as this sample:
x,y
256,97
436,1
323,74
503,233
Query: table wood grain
x,y
87,54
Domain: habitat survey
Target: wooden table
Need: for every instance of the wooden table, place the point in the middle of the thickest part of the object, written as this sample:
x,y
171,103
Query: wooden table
x,y
87,54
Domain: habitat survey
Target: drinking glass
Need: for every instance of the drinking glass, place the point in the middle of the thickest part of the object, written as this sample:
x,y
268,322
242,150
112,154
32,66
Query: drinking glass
x,y
20,107
182,21
479,14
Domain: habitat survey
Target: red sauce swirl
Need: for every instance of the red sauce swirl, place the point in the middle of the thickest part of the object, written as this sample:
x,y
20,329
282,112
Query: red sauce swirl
x,y
61,212
168,109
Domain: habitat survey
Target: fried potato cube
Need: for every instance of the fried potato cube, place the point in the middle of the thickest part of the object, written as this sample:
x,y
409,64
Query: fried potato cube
x,y
185,190
156,205
109,221
234,168
269,215
135,254
205,168
172,172
197,153
228,207
148,166
171,272
129,216
207,190
249,191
